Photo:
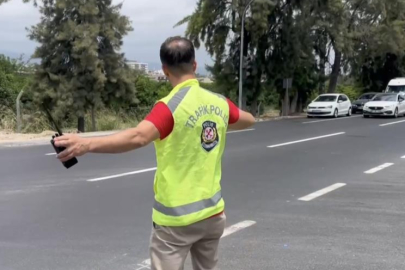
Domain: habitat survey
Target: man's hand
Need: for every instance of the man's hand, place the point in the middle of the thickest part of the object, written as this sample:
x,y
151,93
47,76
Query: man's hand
x,y
75,146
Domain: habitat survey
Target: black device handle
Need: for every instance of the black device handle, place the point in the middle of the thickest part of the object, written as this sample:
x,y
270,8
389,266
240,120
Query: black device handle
x,y
70,163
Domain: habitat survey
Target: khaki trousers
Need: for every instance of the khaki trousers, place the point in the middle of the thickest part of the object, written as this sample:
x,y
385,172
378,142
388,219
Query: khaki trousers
x,y
170,246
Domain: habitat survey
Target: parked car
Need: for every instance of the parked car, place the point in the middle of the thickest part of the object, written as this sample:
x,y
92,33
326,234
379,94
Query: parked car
x,y
330,105
358,104
387,104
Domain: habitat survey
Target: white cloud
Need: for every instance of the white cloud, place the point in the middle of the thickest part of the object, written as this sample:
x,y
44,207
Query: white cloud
x,y
152,21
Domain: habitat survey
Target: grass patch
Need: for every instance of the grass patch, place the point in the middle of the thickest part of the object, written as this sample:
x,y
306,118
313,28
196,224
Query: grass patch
x,y
7,118
107,120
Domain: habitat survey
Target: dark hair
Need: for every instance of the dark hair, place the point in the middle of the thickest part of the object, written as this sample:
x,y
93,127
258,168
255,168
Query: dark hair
x,y
178,55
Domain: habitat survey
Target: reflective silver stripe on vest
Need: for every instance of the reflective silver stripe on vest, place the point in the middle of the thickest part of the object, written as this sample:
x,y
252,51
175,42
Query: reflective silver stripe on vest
x,y
175,101
189,208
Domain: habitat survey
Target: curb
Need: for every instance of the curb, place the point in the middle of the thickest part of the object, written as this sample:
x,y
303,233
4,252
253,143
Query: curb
x,y
259,120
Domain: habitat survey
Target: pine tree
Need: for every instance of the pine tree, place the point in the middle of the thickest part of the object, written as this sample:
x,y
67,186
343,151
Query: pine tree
x,y
81,68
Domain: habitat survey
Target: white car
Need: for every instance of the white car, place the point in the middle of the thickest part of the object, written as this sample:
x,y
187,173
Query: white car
x,y
330,105
387,104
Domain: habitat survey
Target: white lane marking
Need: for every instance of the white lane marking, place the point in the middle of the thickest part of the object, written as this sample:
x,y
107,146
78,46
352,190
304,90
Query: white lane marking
x,y
146,264
50,154
306,140
326,120
379,168
121,175
392,123
238,227
238,131
321,192
403,157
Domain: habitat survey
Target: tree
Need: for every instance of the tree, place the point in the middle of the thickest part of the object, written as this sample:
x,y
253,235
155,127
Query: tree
x,y
13,77
215,23
355,31
378,51
278,45
150,91
284,38
81,68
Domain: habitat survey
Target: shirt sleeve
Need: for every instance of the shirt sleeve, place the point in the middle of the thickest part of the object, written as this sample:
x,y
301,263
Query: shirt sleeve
x,y
161,117
233,112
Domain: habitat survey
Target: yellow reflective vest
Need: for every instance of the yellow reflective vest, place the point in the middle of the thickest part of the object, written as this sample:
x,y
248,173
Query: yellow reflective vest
x,y
187,181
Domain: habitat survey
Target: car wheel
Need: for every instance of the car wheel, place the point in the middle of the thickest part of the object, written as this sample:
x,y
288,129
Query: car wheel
x,y
308,116
336,113
366,116
349,113
396,113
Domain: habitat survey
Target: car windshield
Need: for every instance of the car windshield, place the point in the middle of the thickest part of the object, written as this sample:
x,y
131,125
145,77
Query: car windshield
x,y
326,99
386,97
367,96
396,88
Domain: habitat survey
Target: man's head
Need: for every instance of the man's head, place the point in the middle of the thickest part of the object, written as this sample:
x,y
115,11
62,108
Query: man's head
x,y
178,57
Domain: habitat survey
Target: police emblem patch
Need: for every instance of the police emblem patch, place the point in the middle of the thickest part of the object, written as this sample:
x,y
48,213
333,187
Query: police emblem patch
x,y
209,136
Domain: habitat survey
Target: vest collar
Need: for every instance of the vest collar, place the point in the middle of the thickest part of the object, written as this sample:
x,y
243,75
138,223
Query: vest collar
x,y
190,82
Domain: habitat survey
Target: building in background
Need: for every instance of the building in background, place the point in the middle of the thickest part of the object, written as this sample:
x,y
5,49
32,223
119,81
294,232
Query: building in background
x,y
158,76
206,80
143,67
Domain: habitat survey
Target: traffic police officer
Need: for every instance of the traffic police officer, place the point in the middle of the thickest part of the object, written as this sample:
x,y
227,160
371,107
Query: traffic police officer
x,y
189,129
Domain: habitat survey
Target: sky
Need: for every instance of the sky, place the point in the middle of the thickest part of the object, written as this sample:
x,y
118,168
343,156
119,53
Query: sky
x,y
152,21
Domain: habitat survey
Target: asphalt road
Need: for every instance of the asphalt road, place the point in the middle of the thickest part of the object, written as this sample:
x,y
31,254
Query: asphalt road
x,y
52,218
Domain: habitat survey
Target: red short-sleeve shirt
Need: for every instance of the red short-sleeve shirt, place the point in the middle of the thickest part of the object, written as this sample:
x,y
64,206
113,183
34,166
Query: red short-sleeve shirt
x,y
162,117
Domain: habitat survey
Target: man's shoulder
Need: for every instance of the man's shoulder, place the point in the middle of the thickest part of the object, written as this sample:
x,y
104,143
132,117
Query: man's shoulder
x,y
165,99
213,93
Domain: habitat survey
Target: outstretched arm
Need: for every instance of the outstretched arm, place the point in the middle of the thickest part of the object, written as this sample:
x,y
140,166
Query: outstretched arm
x,y
245,120
121,142
239,119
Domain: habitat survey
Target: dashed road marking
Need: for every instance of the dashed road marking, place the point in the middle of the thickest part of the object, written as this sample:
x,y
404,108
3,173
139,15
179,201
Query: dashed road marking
x,y
327,120
392,123
238,227
121,175
238,131
403,157
146,264
306,140
379,168
50,154
321,192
